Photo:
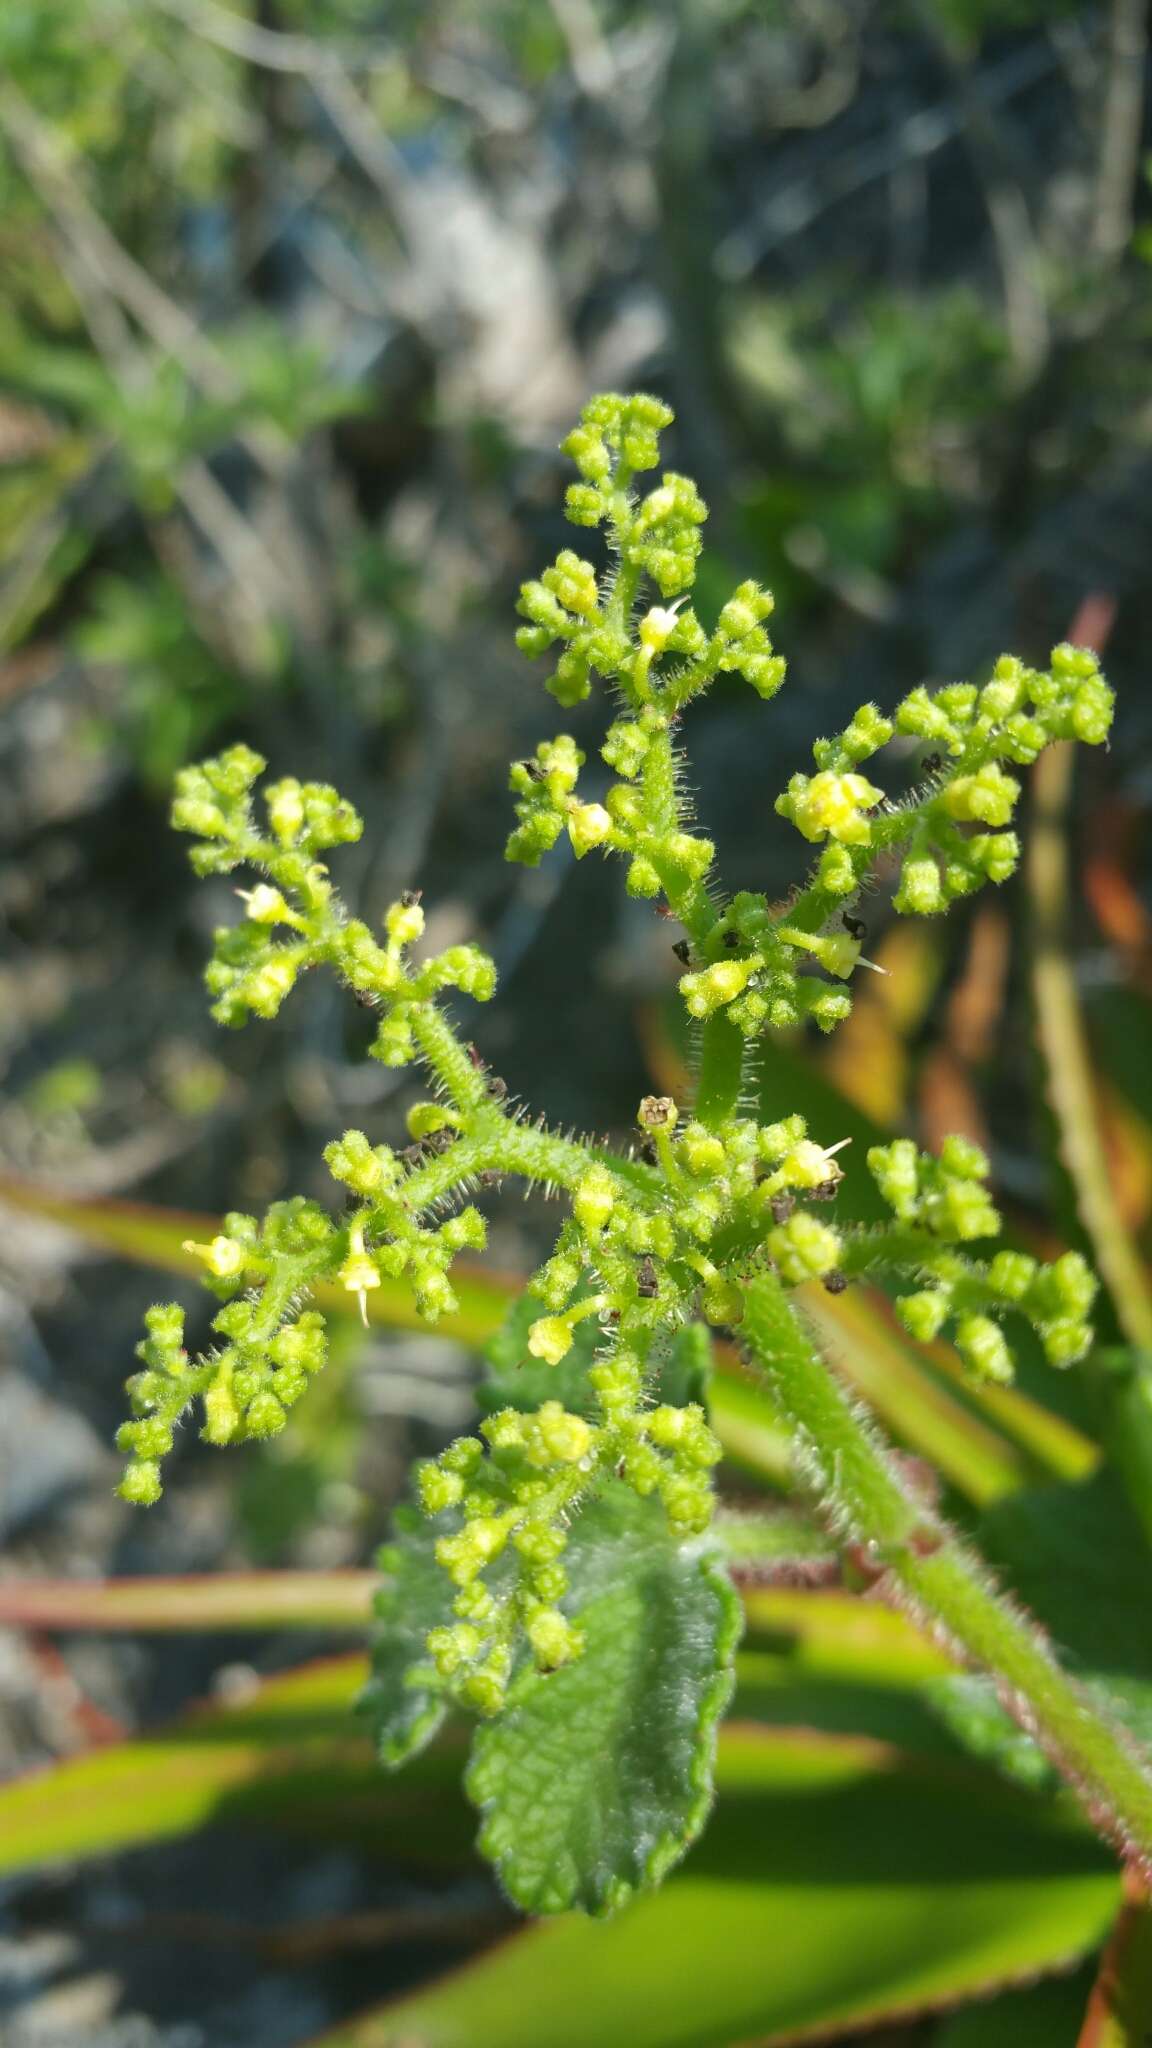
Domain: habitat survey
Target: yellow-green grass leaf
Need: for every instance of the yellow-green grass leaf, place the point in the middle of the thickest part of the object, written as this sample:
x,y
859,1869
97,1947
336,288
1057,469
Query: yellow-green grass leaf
x,y
840,1884
218,1601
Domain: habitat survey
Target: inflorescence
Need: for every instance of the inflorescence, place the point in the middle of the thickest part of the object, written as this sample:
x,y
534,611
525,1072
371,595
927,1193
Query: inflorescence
x,y
670,1229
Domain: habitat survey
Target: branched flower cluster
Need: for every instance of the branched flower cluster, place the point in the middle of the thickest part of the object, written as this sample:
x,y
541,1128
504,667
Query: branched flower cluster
x,y
685,1223
941,1203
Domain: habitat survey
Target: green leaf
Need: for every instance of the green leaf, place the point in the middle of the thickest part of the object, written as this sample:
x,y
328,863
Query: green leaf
x,y
289,1756
402,1700
597,1777
219,1601
1043,2016
840,1885
1078,1558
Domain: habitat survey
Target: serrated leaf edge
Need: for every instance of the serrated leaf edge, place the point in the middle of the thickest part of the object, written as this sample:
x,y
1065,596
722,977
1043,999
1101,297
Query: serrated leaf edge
x,y
668,1849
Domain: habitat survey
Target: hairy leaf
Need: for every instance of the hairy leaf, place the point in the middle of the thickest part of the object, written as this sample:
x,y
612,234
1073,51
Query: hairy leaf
x,y
598,1776
402,1700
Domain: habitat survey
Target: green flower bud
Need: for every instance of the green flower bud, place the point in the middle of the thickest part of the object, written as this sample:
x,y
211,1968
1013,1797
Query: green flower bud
x,y
1011,1275
701,1152
643,880
1066,1341
485,1690
642,1469
594,1200
437,1488
896,1170
923,717
562,1439
394,1044
625,748
266,989
920,893
804,1248
589,825
463,1456
550,1339
774,1140
980,1342
924,1313
264,1416
365,1168
997,854
988,797
710,989
688,1502
554,1641
141,1484
221,1415
826,1006
835,871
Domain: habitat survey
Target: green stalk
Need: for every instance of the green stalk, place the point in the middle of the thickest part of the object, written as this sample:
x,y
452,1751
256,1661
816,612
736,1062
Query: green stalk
x,y
915,1555
720,1081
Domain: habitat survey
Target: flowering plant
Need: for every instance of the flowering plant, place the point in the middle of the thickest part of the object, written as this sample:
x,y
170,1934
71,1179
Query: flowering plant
x,y
563,1577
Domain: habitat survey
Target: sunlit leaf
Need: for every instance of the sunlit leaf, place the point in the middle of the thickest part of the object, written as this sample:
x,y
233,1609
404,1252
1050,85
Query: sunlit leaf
x,y
839,1884
219,1601
291,1755
596,1777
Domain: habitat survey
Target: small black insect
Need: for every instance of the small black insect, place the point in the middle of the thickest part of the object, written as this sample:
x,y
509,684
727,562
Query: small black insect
x,y
647,1279
931,764
413,1155
854,925
835,1283
411,897
731,940
496,1087
532,770
489,1178
683,951
439,1141
823,1191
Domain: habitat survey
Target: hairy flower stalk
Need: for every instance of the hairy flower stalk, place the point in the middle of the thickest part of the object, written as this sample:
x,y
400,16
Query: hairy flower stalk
x,y
561,1564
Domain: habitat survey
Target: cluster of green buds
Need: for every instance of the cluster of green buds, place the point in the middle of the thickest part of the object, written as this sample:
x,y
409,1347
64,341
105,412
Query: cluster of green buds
x,y
292,920
946,1195
966,1301
247,1384
943,1202
510,1501
761,976
385,1237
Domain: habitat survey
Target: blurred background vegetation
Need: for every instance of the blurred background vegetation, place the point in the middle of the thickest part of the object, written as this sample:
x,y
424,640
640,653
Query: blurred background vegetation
x,y
297,298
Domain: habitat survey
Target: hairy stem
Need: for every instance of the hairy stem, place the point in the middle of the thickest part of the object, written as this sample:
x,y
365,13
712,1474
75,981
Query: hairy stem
x,y
867,1500
720,1081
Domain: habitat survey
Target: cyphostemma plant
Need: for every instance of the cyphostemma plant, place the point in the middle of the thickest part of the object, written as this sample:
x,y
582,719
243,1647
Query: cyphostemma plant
x,y
561,1578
